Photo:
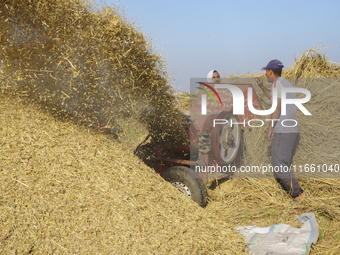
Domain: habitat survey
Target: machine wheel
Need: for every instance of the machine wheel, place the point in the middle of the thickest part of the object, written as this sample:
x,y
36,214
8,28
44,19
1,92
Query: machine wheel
x,y
188,182
226,139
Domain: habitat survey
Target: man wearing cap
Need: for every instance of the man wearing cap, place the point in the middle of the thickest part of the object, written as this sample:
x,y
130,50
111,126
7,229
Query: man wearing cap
x,y
283,130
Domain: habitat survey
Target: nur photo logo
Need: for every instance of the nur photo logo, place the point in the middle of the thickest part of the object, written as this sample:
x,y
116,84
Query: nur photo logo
x,y
239,100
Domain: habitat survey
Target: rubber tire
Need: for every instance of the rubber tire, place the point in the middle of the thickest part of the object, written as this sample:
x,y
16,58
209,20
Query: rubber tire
x,y
191,179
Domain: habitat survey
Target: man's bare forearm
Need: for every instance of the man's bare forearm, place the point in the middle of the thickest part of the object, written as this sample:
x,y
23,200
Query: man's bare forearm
x,y
265,91
276,114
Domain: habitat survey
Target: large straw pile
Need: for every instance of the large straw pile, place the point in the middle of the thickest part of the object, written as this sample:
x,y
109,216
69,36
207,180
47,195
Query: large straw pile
x,y
65,189
313,63
86,60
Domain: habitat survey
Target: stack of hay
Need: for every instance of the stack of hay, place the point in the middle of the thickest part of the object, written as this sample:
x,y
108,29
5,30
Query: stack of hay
x,y
89,61
65,188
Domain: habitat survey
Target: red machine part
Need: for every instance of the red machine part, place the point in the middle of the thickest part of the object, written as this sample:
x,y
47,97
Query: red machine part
x,y
200,121
180,155
224,139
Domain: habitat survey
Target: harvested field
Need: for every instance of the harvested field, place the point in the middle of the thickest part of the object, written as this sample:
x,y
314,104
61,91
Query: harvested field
x,y
66,188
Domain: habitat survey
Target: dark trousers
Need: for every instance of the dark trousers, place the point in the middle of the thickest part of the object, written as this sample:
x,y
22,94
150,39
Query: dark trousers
x,y
283,147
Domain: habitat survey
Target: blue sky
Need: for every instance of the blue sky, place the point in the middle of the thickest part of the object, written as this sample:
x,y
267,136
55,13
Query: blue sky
x,y
233,36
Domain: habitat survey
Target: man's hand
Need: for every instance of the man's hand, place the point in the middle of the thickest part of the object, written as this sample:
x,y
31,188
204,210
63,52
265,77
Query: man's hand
x,y
269,134
266,91
259,82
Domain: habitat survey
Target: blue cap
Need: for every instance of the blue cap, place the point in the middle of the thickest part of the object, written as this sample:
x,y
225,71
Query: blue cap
x,y
273,64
